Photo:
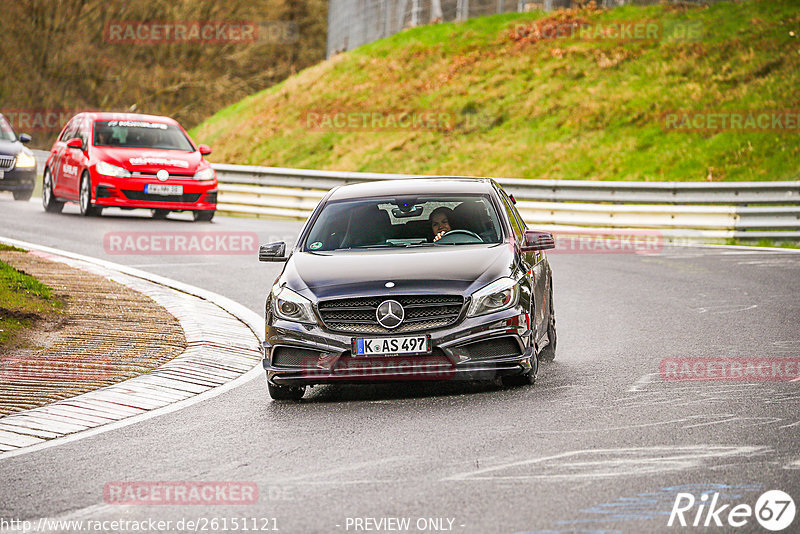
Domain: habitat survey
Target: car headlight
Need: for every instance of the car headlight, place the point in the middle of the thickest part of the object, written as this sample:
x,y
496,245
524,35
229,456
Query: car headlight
x,y
499,295
205,174
106,169
24,161
291,306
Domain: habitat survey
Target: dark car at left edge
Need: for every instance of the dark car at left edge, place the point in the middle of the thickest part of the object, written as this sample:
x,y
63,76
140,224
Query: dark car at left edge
x,y
17,164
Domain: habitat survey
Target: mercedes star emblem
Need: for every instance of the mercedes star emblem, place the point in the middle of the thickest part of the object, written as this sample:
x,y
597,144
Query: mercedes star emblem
x,y
390,314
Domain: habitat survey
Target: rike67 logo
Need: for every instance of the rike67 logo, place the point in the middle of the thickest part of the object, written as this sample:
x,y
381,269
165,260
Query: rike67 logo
x,y
774,511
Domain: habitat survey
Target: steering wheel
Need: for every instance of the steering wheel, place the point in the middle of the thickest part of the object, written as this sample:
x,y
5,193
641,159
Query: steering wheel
x,y
454,235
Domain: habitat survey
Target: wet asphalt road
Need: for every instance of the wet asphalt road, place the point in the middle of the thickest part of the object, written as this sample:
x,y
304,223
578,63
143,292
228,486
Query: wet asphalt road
x,y
600,444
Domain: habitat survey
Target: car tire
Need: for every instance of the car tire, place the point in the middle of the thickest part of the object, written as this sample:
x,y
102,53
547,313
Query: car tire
x,y
51,205
286,393
203,215
548,353
160,214
527,379
87,208
518,380
23,195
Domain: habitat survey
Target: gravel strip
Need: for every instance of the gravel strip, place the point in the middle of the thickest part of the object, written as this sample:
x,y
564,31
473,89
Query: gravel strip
x,y
110,333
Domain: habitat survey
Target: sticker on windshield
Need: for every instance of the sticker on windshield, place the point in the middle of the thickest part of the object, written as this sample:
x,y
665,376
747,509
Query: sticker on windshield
x,y
315,245
139,124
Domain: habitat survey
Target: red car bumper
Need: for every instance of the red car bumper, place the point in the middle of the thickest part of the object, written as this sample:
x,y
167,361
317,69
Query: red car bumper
x,y
131,193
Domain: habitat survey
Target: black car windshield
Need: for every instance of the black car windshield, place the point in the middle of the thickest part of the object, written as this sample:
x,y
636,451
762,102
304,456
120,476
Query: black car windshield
x,y
140,134
405,222
6,131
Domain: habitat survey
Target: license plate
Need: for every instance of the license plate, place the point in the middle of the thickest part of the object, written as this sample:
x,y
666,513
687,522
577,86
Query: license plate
x,y
163,189
386,346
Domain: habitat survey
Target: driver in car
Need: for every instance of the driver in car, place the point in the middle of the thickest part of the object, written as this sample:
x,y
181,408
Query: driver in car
x,y
440,222
102,137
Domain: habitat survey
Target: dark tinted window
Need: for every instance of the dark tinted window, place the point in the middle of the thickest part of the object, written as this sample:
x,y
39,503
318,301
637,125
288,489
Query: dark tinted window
x,y
70,130
84,131
516,224
140,134
389,222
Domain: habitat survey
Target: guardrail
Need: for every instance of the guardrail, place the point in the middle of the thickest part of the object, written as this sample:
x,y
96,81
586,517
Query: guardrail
x,y
677,210
41,159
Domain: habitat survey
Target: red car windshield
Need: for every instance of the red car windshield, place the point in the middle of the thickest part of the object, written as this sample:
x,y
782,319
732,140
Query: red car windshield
x,y
140,134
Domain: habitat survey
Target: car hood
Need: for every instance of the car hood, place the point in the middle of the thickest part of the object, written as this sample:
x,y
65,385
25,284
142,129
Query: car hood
x,y
459,269
151,160
10,148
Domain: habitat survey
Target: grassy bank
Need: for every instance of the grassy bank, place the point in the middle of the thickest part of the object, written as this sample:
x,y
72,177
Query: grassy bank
x,y
24,301
508,104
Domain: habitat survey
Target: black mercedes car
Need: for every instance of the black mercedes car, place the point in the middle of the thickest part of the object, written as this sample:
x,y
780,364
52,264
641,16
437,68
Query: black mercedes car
x,y
17,164
424,279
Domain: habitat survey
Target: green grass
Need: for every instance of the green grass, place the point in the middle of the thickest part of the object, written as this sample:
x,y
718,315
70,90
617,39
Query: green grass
x,y
23,300
554,109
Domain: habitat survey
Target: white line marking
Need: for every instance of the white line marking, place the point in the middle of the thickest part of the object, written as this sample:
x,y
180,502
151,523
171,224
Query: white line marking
x,y
187,264
659,459
642,382
739,249
721,418
728,418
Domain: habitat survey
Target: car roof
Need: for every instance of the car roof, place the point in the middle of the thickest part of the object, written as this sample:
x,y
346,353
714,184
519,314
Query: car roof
x,y
111,116
413,186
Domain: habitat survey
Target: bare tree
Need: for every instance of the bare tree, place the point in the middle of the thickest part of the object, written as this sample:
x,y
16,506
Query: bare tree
x,y
437,15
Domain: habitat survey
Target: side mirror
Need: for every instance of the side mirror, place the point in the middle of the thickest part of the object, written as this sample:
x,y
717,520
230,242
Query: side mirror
x,y
24,138
75,143
272,252
536,241
205,150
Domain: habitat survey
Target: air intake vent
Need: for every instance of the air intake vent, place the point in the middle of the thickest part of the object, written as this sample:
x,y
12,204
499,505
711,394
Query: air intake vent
x,y
490,348
141,195
294,357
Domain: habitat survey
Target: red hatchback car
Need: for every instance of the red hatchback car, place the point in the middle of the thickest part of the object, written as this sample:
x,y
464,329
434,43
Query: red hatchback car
x,y
128,161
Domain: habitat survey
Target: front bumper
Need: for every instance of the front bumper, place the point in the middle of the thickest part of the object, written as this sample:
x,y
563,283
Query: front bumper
x,y
458,352
18,179
130,193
